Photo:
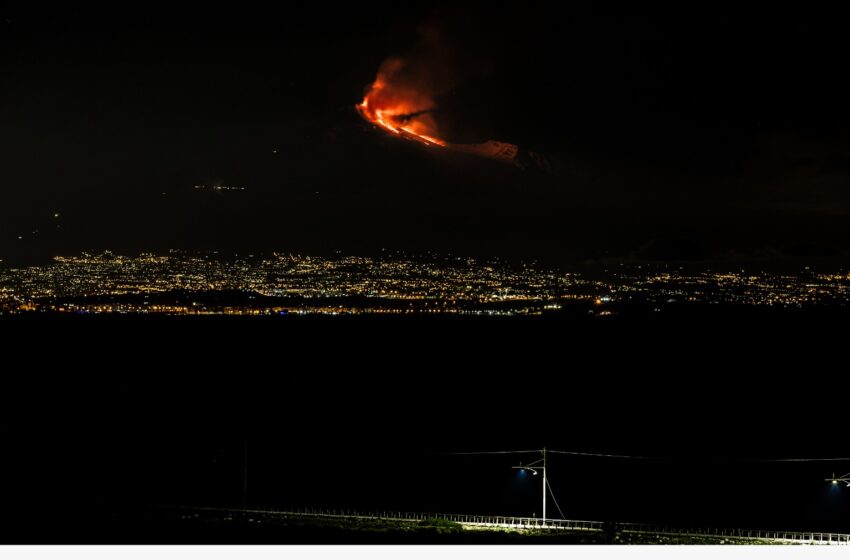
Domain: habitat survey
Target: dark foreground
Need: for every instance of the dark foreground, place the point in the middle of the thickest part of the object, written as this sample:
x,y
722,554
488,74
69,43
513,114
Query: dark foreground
x,y
181,525
359,413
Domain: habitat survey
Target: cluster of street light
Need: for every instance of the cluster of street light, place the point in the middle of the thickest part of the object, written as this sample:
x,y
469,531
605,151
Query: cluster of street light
x,y
395,282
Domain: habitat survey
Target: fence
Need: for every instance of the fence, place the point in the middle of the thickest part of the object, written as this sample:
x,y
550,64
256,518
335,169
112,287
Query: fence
x,y
572,525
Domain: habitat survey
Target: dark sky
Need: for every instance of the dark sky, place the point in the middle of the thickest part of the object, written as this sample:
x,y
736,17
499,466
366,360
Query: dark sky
x,y
681,134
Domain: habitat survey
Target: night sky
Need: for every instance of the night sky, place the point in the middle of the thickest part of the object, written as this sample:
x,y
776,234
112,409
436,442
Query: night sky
x,y
682,134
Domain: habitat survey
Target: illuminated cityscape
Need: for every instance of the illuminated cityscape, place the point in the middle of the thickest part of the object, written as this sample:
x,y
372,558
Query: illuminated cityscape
x,y
411,273
396,283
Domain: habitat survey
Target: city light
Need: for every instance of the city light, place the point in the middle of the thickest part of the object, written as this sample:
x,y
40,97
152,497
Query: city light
x,y
395,283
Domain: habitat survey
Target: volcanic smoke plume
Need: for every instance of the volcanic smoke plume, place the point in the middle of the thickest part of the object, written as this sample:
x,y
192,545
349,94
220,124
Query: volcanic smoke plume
x,y
403,99
401,107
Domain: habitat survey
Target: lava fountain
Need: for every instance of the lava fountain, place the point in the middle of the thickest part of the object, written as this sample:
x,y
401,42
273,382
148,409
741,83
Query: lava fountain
x,y
401,109
403,99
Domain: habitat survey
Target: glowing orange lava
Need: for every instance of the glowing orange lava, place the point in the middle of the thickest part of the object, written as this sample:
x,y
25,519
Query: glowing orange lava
x,y
399,108
403,99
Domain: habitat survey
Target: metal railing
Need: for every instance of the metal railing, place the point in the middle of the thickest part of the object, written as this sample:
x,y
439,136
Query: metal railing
x,y
464,519
788,537
742,534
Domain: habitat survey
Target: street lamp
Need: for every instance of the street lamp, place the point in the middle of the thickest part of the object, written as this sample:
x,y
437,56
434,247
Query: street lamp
x,y
533,468
835,480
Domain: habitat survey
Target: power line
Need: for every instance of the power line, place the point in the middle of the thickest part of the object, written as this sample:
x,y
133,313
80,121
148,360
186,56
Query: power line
x,y
492,452
717,459
552,493
608,455
579,453
658,458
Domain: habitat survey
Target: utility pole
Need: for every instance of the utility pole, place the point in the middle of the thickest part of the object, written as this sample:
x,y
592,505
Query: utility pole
x,y
544,485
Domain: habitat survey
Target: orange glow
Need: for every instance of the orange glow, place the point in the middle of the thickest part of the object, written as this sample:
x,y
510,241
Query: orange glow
x,y
399,108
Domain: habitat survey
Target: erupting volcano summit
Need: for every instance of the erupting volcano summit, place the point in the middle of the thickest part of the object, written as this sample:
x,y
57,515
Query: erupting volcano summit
x,y
401,110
